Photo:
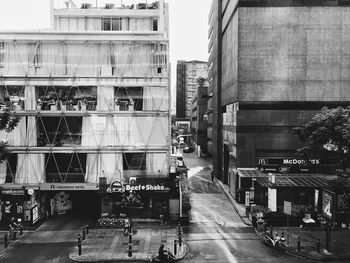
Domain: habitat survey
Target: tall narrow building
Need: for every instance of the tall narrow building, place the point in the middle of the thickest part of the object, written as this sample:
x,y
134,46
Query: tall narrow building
x,y
94,99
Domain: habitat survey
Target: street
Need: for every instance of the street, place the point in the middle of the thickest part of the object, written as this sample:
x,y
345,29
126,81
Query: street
x,y
50,243
216,232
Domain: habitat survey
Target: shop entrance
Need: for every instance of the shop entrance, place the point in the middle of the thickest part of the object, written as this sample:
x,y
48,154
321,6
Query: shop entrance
x,y
77,203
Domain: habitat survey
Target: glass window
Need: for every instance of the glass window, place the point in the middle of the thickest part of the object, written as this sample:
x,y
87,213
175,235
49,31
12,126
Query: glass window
x,y
65,167
116,24
11,163
106,24
134,161
2,54
129,96
155,24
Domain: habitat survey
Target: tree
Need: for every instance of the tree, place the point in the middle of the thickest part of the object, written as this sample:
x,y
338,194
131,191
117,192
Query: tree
x,y
8,122
327,136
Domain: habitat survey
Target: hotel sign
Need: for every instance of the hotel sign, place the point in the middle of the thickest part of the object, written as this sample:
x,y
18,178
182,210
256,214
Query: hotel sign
x,y
68,187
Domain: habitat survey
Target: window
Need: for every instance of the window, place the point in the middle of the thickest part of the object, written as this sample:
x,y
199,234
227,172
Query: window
x,y
34,55
134,161
155,24
2,54
114,24
106,24
129,96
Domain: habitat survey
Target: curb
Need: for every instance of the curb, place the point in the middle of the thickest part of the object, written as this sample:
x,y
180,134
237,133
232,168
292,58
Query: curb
x,y
294,253
244,219
76,259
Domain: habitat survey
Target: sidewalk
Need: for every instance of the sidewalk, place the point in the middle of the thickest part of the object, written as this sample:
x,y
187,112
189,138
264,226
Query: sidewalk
x,y
110,245
11,242
340,238
339,243
240,208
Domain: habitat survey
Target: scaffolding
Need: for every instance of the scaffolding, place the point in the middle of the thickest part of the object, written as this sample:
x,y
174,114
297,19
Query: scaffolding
x,y
89,109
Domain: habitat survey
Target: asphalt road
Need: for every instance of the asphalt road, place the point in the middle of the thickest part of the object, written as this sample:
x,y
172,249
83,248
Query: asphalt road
x,y
51,243
216,233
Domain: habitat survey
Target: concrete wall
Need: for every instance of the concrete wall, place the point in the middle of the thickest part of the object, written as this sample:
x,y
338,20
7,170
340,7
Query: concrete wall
x,y
268,133
294,54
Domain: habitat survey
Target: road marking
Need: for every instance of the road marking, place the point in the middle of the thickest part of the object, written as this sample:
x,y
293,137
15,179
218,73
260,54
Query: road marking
x,y
114,244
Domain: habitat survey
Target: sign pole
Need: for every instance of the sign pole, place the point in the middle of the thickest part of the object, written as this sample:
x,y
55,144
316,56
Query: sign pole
x,y
328,236
287,230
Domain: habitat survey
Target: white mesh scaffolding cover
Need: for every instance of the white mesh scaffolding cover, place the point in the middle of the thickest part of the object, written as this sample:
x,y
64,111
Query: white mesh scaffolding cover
x,y
84,58
30,169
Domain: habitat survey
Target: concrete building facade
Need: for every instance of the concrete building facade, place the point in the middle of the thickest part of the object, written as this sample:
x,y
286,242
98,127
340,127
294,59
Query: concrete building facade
x,y
272,66
186,85
94,99
199,118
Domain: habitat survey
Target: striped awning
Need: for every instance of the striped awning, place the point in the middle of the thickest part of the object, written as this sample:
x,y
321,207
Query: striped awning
x,y
251,172
297,180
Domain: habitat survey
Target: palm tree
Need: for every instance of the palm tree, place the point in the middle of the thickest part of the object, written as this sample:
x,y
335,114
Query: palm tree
x,y
8,122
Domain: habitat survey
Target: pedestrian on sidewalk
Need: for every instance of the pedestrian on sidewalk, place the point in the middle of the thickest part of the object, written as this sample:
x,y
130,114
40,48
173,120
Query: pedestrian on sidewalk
x,y
212,176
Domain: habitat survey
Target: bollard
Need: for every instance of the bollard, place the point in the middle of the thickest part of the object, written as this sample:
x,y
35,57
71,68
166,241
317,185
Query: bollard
x,y
87,229
175,248
79,245
130,245
14,235
83,234
180,240
318,245
21,230
5,241
271,231
299,244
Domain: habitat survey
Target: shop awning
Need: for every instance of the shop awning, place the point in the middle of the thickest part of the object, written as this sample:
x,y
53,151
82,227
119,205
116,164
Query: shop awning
x,y
297,180
251,172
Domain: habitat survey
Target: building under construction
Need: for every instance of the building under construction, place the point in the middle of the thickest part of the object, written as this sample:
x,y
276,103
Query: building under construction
x,y
93,94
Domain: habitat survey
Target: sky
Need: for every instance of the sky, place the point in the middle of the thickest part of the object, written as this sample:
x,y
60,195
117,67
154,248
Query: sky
x,y
188,29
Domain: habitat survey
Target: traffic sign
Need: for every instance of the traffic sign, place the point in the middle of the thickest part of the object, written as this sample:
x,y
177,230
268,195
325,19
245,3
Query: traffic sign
x,y
287,208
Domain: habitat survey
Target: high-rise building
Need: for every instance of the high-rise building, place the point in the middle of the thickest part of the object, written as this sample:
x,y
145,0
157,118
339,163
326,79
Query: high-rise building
x,y
272,66
187,74
94,99
199,118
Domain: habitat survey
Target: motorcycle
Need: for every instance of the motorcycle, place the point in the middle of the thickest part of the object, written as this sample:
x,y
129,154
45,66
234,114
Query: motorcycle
x,y
277,242
169,259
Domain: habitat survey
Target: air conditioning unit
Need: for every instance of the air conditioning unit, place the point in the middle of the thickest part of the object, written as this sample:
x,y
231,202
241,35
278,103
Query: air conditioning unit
x,y
109,6
85,5
132,180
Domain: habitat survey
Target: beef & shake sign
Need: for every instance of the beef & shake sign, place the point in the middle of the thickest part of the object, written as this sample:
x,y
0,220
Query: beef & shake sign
x,y
119,187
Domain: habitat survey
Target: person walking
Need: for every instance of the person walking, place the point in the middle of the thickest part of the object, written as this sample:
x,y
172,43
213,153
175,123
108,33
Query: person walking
x,y
212,176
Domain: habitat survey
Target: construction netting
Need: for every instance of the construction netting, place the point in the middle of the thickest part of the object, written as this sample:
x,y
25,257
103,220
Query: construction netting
x,y
84,59
115,129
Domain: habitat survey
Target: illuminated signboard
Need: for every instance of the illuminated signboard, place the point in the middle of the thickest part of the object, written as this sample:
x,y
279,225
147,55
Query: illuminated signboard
x,y
119,187
327,204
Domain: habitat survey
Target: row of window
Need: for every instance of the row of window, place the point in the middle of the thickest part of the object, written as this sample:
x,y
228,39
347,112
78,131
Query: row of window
x,y
83,98
115,24
72,166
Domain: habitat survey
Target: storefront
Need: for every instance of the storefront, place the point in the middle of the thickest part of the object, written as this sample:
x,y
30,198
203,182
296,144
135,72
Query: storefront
x,y
21,203
67,198
143,198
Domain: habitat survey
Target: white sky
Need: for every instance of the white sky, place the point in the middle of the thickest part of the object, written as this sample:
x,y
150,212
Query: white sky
x,y
188,25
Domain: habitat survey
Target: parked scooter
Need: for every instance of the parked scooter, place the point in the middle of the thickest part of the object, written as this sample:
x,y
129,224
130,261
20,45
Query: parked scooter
x,y
274,241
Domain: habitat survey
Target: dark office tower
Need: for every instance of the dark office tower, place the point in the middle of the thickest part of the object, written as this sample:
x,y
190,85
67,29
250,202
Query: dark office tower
x,y
272,66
